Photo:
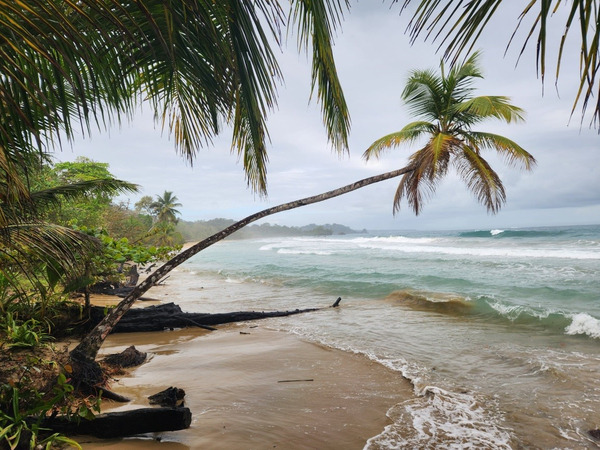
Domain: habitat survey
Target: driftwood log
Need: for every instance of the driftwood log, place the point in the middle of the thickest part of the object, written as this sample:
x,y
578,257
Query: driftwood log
x,y
130,357
170,397
124,423
170,316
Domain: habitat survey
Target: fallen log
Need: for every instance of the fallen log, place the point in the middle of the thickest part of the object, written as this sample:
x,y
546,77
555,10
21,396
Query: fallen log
x,y
170,316
124,423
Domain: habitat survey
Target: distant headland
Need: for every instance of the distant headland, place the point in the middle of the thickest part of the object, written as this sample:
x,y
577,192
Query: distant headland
x,y
200,229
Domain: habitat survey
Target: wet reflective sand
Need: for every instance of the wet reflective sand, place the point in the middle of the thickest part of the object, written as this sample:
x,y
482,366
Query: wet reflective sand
x,y
242,385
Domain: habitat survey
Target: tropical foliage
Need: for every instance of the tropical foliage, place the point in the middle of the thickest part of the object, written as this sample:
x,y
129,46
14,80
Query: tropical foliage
x,y
117,255
459,25
163,213
69,65
164,207
448,112
87,208
37,256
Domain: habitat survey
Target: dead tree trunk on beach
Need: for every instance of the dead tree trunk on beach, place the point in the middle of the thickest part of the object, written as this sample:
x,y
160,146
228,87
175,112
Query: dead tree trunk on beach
x,y
86,351
170,316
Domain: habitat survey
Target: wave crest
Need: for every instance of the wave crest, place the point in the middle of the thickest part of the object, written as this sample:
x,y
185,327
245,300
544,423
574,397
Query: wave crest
x,y
584,324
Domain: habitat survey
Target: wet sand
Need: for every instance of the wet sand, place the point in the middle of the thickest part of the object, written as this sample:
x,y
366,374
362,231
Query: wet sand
x,y
237,385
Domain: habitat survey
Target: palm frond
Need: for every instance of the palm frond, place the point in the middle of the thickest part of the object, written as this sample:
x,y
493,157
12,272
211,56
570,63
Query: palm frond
x,y
489,106
416,186
458,83
423,94
457,26
255,70
408,134
53,196
481,179
318,20
83,63
515,154
430,166
26,248
468,70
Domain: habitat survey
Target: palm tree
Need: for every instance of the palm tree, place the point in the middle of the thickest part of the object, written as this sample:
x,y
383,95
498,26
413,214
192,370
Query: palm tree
x,y
70,65
164,207
452,110
459,25
448,111
198,64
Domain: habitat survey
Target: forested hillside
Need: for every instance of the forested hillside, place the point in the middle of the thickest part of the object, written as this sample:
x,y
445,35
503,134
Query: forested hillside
x,y
200,229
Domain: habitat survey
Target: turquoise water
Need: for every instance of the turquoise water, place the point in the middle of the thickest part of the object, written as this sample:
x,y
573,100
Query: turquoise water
x,y
497,330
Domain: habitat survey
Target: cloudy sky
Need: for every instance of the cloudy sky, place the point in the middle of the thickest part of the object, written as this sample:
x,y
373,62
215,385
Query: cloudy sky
x,y
374,57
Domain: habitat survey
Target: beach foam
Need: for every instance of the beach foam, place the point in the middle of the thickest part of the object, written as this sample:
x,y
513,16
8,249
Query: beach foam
x,y
584,324
442,420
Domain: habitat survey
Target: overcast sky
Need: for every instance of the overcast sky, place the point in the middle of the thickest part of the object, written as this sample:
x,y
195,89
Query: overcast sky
x,y
374,58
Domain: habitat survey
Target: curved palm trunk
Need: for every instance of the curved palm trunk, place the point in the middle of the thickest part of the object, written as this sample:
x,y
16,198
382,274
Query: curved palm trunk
x,y
90,345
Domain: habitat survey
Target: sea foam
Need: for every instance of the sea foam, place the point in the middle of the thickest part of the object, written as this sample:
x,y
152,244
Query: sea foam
x,y
444,420
583,323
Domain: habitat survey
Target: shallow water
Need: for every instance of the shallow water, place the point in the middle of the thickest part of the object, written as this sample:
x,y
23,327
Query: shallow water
x,y
497,330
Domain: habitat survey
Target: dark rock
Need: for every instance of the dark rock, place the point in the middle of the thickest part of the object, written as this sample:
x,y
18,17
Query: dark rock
x,y
171,397
129,357
595,433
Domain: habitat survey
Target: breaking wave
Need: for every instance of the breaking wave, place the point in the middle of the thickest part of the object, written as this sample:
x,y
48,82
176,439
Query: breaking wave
x,y
487,308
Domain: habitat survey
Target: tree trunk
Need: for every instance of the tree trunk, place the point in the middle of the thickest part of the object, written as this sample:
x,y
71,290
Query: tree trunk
x,y
124,423
169,316
88,348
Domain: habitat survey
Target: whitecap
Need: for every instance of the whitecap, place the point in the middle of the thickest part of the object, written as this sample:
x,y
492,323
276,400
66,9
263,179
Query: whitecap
x,y
285,251
496,232
583,323
233,280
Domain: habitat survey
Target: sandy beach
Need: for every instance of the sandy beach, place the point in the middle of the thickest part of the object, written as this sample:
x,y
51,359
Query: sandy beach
x,y
238,386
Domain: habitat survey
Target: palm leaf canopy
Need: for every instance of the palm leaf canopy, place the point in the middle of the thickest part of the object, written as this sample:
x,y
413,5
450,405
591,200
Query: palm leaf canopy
x,y
26,244
458,25
447,112
165,207
68,66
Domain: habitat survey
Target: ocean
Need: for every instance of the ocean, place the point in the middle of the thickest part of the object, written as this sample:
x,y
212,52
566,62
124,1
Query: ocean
x,y
498,331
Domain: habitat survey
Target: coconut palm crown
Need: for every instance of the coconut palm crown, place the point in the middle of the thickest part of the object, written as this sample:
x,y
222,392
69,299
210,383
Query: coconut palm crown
x,y
448,112
165,207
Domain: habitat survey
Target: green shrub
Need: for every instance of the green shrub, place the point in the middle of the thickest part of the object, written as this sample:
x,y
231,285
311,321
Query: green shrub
x,y
25,334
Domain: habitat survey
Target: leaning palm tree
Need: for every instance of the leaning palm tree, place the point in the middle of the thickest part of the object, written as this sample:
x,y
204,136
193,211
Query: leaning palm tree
x,y
452,111
448,113
164,207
